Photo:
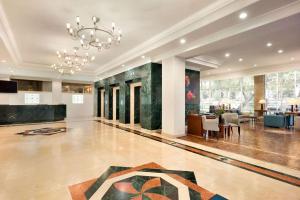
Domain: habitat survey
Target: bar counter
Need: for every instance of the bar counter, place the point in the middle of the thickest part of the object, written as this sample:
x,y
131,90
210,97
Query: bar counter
x,y
17,114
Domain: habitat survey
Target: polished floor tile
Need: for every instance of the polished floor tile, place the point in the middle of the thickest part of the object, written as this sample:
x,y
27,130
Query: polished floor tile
x,y
39,167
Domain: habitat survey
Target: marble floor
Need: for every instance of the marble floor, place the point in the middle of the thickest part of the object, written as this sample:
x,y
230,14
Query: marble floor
x,y
46,166
276,145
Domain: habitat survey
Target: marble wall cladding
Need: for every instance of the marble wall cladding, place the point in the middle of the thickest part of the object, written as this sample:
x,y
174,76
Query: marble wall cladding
x,y
192,91
156,97
108,104
150,77
11,114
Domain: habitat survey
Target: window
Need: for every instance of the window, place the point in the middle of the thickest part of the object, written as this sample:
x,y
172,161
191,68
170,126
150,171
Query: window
x,y
77,99
32,98
33,85
280,87
236,92
77,88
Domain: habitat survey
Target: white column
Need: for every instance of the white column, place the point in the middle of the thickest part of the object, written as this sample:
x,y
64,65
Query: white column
x,y
173,96
56,92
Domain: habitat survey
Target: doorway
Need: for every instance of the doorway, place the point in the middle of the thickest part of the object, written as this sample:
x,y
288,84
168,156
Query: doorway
x,y
116,103
135,103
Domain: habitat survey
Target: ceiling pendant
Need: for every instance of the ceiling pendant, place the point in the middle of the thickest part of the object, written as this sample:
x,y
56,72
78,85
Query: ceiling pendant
x,y
96,36
69,63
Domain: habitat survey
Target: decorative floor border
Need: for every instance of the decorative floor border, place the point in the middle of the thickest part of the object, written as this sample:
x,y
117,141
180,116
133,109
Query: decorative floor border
x,y
237,163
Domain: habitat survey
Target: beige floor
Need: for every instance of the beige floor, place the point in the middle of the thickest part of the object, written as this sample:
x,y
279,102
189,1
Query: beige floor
x,y
42,167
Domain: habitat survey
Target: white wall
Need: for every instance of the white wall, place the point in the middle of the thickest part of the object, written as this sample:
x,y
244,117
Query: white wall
x,y
19,98
85,110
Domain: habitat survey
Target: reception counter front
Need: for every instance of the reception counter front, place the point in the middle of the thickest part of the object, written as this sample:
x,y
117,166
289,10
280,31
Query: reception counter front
x,y
17,114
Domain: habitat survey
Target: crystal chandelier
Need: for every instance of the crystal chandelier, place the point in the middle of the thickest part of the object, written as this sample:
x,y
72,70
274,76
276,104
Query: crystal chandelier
x,y
69,63
96,36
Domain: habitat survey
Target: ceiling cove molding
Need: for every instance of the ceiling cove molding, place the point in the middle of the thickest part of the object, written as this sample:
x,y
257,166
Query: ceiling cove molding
x,y
204,62
120,69
251,24
8,38
215,11
46,68
29,71
35,74
253,71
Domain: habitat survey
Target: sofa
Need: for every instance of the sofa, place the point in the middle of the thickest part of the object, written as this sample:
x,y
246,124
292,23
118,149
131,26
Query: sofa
x,y
277,121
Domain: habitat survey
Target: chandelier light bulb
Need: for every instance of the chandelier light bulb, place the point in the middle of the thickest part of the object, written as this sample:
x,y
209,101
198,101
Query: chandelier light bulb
x,y
65,51
113,25
68,25
93,58
109,40
81,41
94,18
83,36
86,54
57,52
77,20
92,32
97,40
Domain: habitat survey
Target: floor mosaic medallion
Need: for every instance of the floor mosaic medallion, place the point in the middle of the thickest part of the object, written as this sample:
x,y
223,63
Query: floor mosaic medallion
x,y
146,182
43,131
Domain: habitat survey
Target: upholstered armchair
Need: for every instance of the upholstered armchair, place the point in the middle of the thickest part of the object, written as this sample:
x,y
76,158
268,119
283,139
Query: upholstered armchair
x,y
210,125
232,119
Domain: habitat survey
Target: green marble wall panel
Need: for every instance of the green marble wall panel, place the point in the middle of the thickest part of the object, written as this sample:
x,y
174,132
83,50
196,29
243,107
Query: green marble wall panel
x,y
124,113
150,77
156,94
108,102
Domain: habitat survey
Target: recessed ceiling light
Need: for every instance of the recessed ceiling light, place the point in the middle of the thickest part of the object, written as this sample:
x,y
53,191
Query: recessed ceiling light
x,y
123,65
143,57
243,15
227,55
292,58
182,41
269,44
3,61
241,59
255,65
280,51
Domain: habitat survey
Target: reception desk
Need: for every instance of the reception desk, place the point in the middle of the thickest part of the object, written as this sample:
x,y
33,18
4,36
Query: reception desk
x,y
17,114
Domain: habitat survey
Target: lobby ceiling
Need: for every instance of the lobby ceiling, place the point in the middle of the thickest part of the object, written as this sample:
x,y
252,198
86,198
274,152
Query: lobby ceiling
x,y
34,30
38,27
252,48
